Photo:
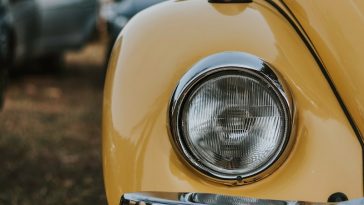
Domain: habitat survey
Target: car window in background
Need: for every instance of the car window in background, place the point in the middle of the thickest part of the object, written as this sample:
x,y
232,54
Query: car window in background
x,y
17,1
129,8
142,4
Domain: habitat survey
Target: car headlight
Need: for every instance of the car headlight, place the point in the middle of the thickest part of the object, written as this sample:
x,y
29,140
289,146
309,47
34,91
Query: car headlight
x,y
231,118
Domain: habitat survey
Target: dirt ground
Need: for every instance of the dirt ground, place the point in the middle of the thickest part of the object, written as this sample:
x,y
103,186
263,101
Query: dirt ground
x,y
50,133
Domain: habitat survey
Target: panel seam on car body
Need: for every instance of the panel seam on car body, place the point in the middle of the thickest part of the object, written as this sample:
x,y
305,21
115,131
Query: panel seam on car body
x,y
291,18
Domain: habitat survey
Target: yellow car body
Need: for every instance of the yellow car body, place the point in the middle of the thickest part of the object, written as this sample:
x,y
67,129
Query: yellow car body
x,y
316,46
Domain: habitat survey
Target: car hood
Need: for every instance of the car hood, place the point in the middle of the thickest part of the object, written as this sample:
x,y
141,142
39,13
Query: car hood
x,y
336,29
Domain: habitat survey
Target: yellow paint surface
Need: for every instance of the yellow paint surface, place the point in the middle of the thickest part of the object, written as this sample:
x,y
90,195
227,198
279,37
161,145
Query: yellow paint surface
x,y
336,28
155,50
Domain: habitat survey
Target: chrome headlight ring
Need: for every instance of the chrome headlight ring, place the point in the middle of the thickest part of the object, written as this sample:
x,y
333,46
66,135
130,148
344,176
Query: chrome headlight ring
x,y
230,65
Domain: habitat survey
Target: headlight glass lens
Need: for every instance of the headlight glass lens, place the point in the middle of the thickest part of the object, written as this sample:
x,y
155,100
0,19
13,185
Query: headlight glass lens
x,y
233,124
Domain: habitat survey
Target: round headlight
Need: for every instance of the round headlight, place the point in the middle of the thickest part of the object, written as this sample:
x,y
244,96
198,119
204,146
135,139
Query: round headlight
x,y
231,119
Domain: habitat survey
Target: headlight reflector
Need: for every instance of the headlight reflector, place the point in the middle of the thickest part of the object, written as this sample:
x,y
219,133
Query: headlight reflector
x,y
231,122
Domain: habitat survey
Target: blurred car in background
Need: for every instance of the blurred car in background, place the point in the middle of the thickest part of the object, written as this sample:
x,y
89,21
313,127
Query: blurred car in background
x,y
4,35
45,29
5,49
117,14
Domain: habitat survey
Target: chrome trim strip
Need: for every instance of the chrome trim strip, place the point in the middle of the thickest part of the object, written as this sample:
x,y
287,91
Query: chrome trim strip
x,y
167,198
239,62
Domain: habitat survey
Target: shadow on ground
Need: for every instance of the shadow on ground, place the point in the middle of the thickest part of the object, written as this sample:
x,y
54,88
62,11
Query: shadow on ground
x,y
50,134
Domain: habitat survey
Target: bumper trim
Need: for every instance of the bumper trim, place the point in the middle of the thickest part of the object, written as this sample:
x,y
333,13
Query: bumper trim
x,y
168,198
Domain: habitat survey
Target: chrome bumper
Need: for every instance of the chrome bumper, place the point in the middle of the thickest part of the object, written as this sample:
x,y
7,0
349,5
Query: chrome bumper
x,y
165,198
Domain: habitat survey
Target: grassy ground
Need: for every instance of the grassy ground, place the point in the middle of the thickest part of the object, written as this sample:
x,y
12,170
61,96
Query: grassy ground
x,y
50,134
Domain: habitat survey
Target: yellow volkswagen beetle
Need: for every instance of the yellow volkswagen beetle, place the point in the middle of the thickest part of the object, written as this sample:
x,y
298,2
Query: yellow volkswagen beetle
x,y
236,102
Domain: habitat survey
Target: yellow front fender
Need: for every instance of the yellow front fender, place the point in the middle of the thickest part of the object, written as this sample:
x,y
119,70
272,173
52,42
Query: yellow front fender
x,y
162,43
